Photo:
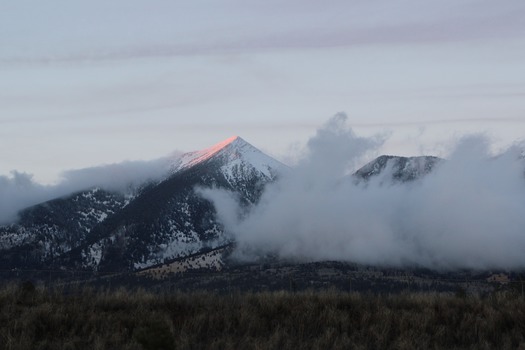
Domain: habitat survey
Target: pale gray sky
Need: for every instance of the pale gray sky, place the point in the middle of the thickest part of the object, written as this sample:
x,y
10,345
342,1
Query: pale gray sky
x,y
86,83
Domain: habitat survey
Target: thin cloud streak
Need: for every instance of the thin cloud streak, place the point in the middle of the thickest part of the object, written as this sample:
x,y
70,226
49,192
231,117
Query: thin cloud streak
x,y
440,122
434,25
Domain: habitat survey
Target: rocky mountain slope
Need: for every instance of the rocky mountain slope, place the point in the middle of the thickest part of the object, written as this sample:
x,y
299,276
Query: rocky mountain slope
x,y
48,230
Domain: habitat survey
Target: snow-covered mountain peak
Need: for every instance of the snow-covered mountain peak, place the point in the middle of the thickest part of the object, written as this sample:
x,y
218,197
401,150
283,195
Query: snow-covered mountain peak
x,y
192,158
232,152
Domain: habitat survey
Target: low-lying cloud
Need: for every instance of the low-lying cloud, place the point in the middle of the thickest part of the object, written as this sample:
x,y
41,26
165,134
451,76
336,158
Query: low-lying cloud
x,y
469,212
19,190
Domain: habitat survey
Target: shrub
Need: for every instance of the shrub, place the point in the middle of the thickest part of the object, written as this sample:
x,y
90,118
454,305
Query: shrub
x,y
121,319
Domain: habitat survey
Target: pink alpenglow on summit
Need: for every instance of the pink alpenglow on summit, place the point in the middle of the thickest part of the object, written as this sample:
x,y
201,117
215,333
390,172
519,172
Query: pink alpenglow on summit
x,y
191,158
234,152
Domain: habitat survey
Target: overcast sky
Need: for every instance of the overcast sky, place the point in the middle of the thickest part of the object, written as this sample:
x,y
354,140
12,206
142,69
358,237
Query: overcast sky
x,y
97,82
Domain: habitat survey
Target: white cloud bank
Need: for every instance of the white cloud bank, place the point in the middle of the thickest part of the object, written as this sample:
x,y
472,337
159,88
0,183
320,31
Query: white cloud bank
x,y
468,213
19,190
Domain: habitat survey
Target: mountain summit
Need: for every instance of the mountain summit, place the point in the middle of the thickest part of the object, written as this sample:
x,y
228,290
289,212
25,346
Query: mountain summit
x,y
232,152
228,146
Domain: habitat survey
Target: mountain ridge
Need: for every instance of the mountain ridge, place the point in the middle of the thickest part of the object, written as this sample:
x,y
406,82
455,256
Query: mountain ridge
x,y
401,169
98,230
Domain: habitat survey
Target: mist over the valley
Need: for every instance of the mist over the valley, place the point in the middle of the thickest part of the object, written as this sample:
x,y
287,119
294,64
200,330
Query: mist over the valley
x,y
19,190
469,212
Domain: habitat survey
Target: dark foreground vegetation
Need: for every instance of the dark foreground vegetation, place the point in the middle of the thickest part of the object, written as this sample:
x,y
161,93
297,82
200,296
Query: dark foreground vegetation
x,y
37,318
